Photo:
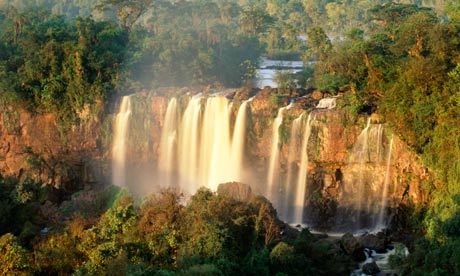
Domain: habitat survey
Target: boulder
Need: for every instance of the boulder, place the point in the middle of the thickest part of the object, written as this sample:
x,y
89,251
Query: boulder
x,y
236,190
353,247
376,242
371,268
317,95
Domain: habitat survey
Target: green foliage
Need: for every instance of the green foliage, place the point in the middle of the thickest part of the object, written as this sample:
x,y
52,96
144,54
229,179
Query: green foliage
x,y
127,12
330,83
14,259
320,45
18,208
60,66
212,235
257,262
400,67
282,254
275,99
203,270
285,81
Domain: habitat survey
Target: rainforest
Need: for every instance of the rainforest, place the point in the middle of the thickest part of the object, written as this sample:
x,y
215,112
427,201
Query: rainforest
x,y
237,137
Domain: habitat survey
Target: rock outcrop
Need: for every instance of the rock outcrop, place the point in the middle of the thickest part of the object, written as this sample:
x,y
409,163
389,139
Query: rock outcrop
x,y
371,268
38,147
235,190
353,247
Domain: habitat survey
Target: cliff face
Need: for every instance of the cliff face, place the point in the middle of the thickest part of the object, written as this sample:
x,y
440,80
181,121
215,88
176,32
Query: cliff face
x,y
356,164
339,168
33,146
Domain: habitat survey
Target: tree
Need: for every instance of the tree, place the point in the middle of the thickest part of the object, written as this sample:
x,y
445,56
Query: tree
x,y
286,81
14,260
254,19
319,43
127,11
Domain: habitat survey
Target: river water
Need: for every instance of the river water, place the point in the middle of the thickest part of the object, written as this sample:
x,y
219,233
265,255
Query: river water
x,y
268,69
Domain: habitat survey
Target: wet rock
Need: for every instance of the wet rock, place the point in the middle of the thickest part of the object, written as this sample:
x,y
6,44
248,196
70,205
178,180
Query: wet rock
x,y
317,95
376,118
371,268
376,242
236,190
353,247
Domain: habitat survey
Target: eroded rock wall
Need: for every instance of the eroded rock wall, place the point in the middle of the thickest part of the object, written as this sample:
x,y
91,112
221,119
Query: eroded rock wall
x,y
33,145
37,147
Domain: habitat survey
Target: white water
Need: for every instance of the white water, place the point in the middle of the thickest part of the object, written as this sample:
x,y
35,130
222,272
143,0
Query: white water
x,y
273,169
265,63
266,77
359,155
207,152
238,142
188,145
291,163
119,143
266,72
382,260
302,178
367,178
383,204
168,140
200,146
327,103
216,133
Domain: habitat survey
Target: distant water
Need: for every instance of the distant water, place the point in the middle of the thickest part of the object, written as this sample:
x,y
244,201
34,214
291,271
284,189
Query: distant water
x,y
268,69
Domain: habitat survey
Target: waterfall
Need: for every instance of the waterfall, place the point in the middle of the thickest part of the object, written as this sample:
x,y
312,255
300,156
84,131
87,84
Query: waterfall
x,y
386,183
327,103
119,143
365,189
285,209
203,144
216,142
200,148
189,145
377,136
167,143
302,178
359,155
238,141
273,169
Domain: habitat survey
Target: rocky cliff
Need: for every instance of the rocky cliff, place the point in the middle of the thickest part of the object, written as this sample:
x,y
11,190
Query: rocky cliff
x,y
33,146
36,146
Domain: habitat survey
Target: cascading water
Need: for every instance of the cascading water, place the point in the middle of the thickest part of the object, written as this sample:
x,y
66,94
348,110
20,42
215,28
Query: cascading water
x,y
365,192
273,169
189,146
377,135
359,156
302,178
383,204
238,141
203,143
119,143
207,152
286,206
168,141
216,142
327,103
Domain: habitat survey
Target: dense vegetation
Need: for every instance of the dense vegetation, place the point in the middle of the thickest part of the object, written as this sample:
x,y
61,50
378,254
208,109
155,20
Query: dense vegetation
x,y
400,60
211,235
407,69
